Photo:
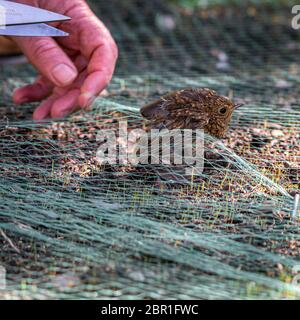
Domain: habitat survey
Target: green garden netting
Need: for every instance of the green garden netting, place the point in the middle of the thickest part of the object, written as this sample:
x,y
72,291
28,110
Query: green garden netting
x,y
70,228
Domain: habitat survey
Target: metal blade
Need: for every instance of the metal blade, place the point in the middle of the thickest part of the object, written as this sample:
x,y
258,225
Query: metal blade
x,y
32,30
12,13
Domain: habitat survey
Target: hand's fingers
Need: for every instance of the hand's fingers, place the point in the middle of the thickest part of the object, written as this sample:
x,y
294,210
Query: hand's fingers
x,y
62,102
44,110
65,104
94,84
68,100
100,49
58,105
51,61
42,87
36,91
100,72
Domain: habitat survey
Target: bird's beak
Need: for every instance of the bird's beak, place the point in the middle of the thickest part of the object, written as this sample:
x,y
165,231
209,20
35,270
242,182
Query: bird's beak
x,y
238,105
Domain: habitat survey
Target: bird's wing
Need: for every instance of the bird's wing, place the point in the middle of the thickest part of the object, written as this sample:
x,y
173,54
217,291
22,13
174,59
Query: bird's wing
x,y
173,102
154,109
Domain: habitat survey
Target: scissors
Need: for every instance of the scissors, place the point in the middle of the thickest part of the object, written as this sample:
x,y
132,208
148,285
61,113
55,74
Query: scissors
x,y
21,20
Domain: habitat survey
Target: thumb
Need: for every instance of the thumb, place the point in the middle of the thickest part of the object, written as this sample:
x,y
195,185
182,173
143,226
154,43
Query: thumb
x,y
50,60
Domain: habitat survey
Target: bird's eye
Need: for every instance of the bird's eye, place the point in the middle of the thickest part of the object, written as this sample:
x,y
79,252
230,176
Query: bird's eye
x,y
223,110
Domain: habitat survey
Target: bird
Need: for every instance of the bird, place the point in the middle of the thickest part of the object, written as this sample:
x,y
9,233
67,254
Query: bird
x,y
191,108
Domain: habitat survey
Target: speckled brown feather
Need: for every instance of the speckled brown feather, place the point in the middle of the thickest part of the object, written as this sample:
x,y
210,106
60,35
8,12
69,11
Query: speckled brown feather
x,y
191,109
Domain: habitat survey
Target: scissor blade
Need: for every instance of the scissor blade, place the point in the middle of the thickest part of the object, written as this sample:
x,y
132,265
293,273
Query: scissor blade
x,y
15,13
32,30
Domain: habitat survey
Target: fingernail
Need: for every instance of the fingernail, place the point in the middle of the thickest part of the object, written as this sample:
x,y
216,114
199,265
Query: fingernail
x,y
64,74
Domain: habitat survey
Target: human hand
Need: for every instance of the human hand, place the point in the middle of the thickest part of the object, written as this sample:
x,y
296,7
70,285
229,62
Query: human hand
x,y
73,70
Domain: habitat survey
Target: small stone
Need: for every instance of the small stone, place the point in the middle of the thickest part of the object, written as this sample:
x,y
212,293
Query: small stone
x,y
279,266
104,93
166,22
256,131
274,126
65,281
277,133
136,276
282,84
220,55
223,66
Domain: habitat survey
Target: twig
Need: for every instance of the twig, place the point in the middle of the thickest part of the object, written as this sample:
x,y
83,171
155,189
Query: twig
x,y
9,241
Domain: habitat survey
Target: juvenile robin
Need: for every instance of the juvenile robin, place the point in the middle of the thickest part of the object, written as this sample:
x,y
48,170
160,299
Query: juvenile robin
x,y
200,108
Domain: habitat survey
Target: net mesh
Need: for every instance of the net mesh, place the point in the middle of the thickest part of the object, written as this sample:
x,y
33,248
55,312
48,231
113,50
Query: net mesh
x,y
72,228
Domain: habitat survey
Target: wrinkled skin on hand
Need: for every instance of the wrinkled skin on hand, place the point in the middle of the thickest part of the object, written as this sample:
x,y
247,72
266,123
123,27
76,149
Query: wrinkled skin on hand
x,y
73,70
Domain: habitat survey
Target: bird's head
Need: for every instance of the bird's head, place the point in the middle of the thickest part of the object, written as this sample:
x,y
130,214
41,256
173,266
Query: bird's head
x,y
220,111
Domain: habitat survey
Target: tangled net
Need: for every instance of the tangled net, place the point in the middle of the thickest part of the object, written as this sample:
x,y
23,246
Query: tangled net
x,y
72,228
